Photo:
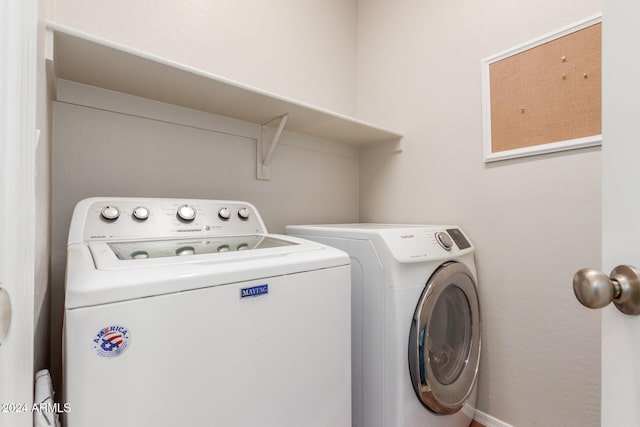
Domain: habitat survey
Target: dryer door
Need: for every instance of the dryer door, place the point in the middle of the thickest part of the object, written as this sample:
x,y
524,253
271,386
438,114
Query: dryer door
x,y
444,342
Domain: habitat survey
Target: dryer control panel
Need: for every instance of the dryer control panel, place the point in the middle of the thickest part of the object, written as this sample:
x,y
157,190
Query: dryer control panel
x,y
99,219
415,244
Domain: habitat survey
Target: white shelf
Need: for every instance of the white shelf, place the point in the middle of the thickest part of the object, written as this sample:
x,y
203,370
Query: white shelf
x,y
84,58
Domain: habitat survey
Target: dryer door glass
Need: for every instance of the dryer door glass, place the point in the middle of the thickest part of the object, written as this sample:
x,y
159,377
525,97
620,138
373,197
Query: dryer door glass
x,y
449,333
444,342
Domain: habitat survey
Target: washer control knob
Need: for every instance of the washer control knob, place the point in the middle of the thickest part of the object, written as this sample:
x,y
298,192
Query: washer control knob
x,y
224,214
444,240
186,213
185,250
141,213
140,255
110,213
243,213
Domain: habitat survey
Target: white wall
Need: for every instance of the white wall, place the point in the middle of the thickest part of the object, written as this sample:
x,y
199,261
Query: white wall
x,y
534,221
303,50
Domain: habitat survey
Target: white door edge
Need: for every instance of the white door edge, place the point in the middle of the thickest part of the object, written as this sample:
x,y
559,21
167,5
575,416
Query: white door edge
x,y
18,56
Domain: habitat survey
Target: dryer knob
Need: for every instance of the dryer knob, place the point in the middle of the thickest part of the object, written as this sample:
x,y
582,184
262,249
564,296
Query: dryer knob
x,y
444,240
110,213
186,213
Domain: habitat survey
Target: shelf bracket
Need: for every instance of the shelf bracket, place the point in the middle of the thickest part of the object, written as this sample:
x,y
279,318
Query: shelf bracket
x,y
265,150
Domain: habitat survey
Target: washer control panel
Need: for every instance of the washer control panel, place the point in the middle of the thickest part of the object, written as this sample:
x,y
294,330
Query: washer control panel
x,y
131,218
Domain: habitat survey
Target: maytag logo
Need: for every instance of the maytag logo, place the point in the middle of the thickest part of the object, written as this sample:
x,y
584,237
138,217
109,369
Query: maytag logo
x,y
254,291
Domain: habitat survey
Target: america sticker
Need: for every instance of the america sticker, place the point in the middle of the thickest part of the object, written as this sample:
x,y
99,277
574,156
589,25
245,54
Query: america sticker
x,y
111,341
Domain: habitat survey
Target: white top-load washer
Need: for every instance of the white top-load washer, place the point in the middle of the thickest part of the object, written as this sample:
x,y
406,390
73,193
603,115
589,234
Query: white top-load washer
x,y
188,313
415,322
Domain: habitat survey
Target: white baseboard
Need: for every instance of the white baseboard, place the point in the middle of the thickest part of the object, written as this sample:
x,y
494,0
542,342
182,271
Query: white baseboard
x,y
489,421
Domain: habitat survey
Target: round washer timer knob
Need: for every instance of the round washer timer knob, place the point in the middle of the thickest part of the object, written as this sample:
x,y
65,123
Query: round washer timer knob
x,y
141,213
110,213
243,213
186,213
224,214
444,240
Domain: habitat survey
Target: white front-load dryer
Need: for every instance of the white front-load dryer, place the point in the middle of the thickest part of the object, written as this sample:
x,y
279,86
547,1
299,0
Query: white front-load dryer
x,y
415,322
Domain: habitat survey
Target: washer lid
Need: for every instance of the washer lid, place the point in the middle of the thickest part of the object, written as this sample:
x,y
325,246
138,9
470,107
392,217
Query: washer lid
x,y
444,342
95,274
